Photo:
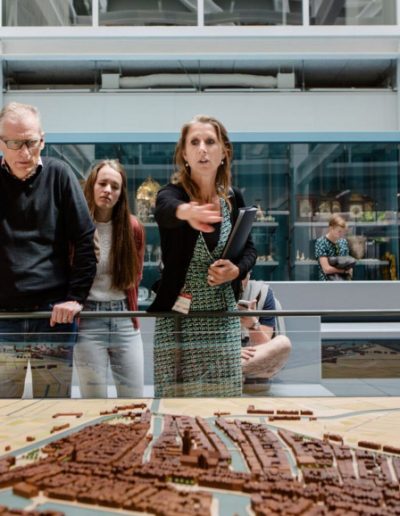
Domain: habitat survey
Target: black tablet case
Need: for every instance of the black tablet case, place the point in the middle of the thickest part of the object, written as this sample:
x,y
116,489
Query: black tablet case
x,y
240,233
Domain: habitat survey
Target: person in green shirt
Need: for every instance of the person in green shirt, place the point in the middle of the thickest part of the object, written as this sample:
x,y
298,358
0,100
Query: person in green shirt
x,y
333,243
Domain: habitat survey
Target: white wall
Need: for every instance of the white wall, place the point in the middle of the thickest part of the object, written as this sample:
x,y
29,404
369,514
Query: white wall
x,y
159,116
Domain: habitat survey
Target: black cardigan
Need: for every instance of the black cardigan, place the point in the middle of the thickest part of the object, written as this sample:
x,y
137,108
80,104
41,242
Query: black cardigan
x,y
178,240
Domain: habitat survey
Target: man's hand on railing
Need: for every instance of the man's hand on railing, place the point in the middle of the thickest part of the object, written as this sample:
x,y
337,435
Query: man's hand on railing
x,y
64,313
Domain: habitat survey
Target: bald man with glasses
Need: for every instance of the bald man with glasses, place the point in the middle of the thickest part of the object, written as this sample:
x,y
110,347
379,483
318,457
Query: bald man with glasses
x,y
47,259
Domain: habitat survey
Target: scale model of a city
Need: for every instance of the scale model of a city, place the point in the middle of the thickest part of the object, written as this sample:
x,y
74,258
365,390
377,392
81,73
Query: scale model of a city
x,y
112,464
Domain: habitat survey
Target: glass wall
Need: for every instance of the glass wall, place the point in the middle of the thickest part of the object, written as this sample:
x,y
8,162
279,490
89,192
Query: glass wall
x,y
296,187
350,12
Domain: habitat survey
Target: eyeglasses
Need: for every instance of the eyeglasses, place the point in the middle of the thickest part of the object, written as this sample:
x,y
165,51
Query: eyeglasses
x,y
18,144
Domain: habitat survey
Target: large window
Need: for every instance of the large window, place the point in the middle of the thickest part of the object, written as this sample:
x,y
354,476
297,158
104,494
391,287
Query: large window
x,y
253,12
148,12
47,12
353,12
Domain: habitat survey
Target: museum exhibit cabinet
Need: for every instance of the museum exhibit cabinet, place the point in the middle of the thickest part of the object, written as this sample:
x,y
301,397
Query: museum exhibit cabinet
x,y
262,172
295,186
360,181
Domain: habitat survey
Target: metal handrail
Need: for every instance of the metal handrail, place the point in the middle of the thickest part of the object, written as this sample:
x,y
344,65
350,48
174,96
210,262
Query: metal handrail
x,y
201,314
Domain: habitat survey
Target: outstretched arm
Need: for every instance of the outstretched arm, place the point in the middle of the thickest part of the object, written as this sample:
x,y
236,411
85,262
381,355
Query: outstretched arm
x,y
199,216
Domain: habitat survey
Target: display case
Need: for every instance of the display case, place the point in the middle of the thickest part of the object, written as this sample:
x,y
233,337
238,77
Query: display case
x,y
268,191
360,183
296,188
372,243
158,175
262,172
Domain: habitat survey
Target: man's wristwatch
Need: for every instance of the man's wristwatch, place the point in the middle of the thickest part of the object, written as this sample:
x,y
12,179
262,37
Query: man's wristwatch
x,y
255,326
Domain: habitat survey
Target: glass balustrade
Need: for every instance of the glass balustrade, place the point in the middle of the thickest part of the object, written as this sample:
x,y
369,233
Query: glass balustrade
x,y
344,355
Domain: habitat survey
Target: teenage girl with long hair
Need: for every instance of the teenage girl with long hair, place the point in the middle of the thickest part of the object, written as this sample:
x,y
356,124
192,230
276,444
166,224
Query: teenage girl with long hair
x,y
112,341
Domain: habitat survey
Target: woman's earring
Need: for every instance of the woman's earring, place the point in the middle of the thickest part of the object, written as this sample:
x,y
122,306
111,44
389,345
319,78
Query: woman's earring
x,y
186,164
222,161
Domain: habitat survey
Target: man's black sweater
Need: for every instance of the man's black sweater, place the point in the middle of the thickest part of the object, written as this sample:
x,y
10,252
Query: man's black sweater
x,y
46,238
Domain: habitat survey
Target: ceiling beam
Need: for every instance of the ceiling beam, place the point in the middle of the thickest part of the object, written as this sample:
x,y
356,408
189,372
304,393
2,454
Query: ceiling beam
x,y
198,48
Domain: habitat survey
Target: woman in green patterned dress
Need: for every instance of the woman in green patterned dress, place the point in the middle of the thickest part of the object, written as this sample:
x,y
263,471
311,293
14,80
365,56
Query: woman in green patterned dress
x,y
331,244
195,212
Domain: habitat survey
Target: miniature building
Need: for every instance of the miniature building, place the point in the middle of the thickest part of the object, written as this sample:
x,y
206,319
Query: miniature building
x,y
391,449
26,490
76,414
370,445
59,427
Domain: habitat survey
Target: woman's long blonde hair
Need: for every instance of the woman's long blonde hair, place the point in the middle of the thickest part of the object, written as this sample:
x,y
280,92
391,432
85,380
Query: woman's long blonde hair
x,y
183,174
125,267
